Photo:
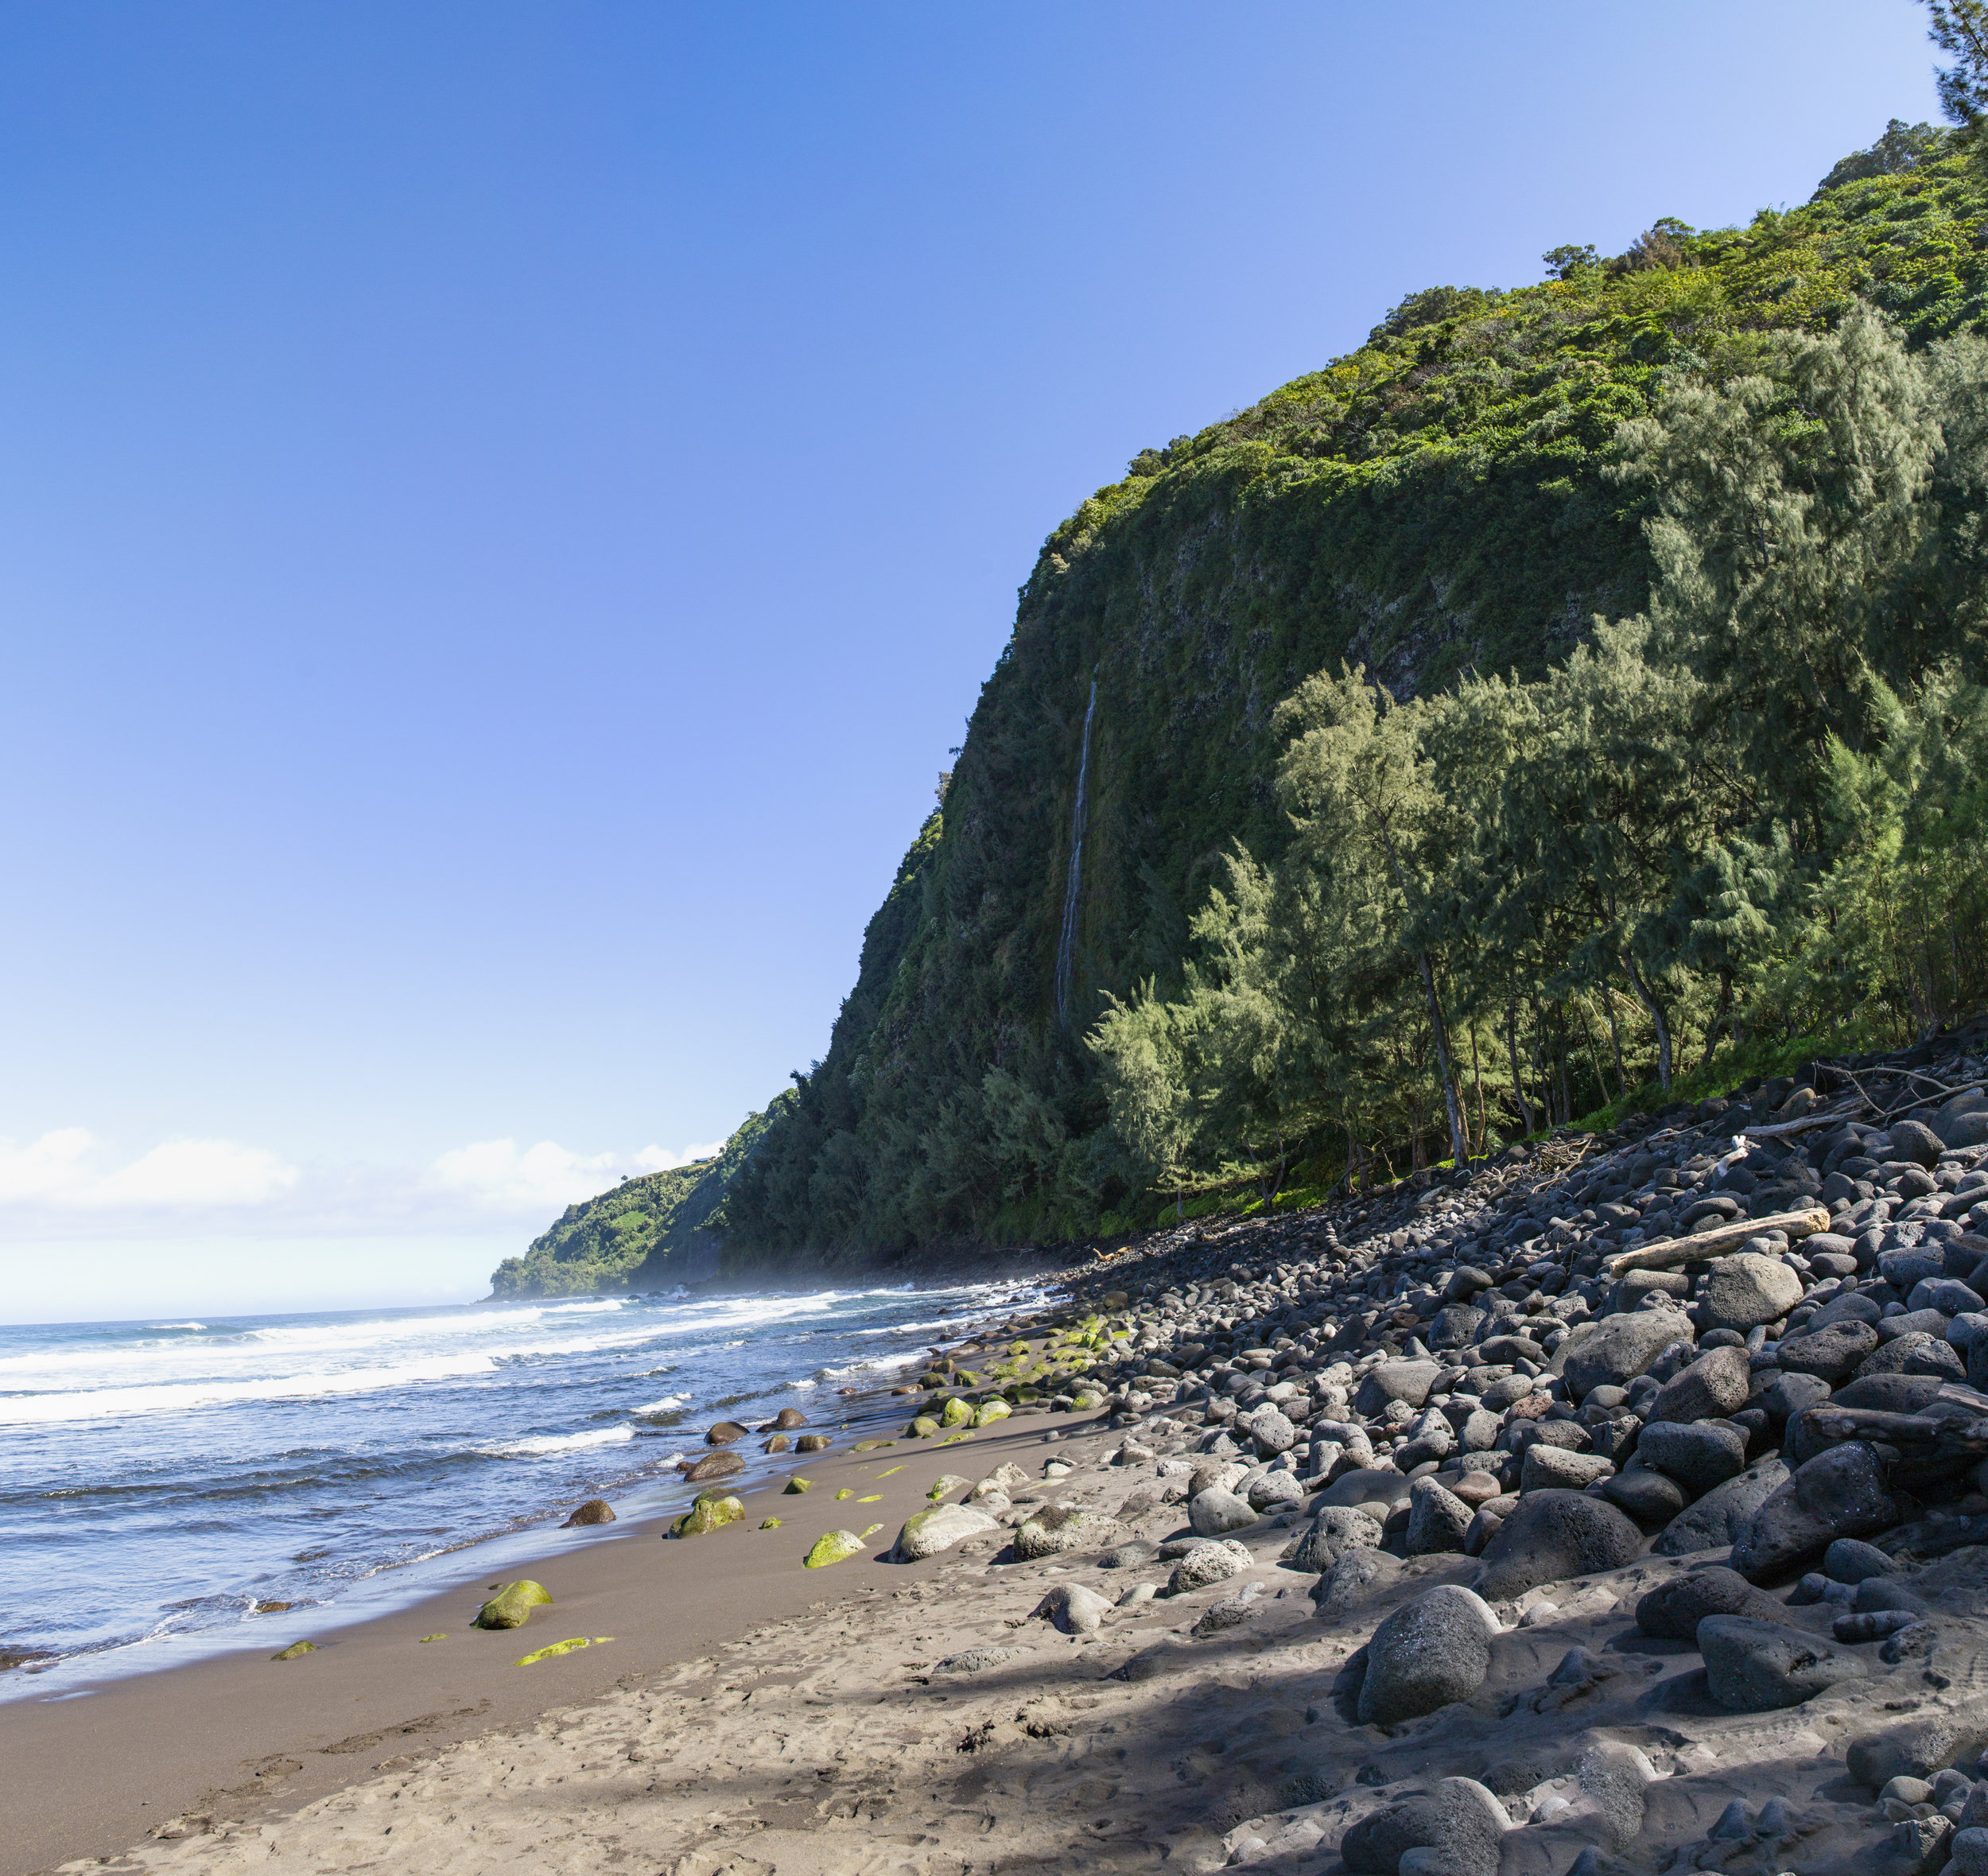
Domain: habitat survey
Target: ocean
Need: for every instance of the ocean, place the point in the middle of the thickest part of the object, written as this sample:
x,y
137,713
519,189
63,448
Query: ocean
x,y
158,1479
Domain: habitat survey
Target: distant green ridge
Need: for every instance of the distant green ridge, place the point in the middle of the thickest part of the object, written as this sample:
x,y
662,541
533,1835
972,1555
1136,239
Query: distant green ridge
x,y
646,1234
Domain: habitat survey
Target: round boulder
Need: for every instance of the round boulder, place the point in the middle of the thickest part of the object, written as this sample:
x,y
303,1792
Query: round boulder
x,y
1838,1493
1672,1611
1337,1529
1215,1511
1554,1535
926,1533
1428,1653
595,1511
1699,1455
1715,1385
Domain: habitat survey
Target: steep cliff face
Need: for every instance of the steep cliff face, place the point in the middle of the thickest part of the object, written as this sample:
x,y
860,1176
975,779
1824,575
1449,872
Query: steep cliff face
x,y
1438,500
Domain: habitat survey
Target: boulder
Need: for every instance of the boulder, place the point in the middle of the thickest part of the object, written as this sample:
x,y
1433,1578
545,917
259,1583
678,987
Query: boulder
x,y
1438,1519
724,1432
716,1465
1648,1498
1717,1518
1553,1535
1073,1609
1209,1562
1850,1560
1214,1511
1757,1667
1838,1493
1916,1141
1337,1529
1428,1653
1366,1484
812,1442
990,1410
1699,1455
706,1514
1916,1748
787,1419
1673,1610
1358,1574
595,1511
1056,1527
1412,1382
836,1547
1274,1491
1618,1349
1830,1354
1272,1432
1555,1469
926,1533
1715,1385
1458,1827
1739,1292
511,1607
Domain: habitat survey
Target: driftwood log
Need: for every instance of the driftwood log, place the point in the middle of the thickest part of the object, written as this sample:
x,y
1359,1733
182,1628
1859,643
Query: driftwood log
x,y
1953,1424
1667,1253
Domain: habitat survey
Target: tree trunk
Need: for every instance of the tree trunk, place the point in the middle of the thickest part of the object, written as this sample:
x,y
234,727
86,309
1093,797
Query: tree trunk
x,y
1459,1145
1647,999
1615,1043
1476,1071
1518,1082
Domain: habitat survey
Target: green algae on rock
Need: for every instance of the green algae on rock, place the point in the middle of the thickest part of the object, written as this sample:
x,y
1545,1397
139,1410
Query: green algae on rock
x,y
707,1514
836,1547
295,1650
511,1607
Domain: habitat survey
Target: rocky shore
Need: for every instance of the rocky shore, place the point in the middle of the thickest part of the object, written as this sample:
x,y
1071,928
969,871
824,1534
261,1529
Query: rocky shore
x,y
1615,1506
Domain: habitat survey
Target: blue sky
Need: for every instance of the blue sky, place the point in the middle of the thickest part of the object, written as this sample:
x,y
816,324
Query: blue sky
x,y
504,508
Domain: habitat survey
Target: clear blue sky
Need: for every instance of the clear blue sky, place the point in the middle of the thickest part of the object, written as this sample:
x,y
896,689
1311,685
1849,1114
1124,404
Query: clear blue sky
x,y
503,509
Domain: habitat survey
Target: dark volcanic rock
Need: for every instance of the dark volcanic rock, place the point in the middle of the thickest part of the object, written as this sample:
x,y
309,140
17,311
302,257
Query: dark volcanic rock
x,y
1838,1493
1553,1535
1428,1653
1675,1609
1756,1667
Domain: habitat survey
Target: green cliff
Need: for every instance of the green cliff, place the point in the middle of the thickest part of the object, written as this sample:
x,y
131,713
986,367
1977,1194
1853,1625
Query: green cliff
x,y
1437,503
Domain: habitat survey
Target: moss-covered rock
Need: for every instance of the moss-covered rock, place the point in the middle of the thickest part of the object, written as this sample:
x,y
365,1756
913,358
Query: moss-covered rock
x,y
923,1427
511,1607
298,1650
795,1485
836,1547
946,1484
707,1515
956,1413
990,1411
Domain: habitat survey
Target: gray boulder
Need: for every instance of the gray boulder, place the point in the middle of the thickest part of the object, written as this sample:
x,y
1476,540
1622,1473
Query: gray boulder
x,y
1056,1527
1337,1529
1616,1349
1274,1491
1742,1292
1917,1748
1428,1653
1916,1141
1073,1609
1554,1468
1209,1563
1461,1821
1550,1535
1757,1667
1648,1498
1412,1382
1438,1519
1214,1511
1698,1456
1272,1432
1715,1385
1673,1610
1357,1575
1717,1518
1850,1560
1838,1493
926,1533
1830,1354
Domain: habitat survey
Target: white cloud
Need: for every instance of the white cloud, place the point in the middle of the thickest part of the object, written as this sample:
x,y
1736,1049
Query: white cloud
x,y
69,1181
62,1169
197,1172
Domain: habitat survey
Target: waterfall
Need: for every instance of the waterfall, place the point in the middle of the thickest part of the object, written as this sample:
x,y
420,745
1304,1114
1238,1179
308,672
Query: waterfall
x,y
1066,944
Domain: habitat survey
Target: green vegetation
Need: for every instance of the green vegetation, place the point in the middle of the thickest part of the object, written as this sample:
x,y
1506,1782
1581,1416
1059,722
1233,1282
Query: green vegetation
x,y
646,1234
1391,846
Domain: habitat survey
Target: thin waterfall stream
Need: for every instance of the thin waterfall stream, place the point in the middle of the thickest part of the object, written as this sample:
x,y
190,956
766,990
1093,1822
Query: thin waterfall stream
x,y
1066,944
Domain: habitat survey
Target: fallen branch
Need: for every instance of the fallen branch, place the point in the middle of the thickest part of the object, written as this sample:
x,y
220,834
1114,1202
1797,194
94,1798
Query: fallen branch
x,y
1669,1252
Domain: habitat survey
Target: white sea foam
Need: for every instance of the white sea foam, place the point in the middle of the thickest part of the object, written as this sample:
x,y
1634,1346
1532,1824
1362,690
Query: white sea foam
x,y
663,1405
557,1442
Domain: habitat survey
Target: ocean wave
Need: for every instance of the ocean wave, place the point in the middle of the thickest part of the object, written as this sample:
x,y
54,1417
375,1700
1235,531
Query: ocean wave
x,y
539,1447
664,1405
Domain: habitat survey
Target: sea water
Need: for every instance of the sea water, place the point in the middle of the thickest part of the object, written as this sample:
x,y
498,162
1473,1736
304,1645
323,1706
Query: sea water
x,y
159,1479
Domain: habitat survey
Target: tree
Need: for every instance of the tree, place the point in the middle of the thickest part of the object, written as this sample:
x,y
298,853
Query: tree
x,y
1960,27
1354,777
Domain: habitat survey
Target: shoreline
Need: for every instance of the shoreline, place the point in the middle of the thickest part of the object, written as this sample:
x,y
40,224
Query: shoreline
x,y
237,1734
